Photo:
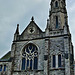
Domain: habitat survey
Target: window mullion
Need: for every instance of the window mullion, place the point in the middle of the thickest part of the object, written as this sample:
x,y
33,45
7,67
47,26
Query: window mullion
x,y
56,61
26,64
32,63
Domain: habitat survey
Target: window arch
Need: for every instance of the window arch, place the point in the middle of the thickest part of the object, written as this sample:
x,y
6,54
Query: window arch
x,y
30,57
56,4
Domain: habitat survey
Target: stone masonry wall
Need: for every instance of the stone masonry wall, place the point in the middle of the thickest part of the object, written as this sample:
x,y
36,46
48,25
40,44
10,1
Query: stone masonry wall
x,y
56,48
18,56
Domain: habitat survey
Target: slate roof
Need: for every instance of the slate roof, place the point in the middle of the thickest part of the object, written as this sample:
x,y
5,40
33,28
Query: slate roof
x,y
6,57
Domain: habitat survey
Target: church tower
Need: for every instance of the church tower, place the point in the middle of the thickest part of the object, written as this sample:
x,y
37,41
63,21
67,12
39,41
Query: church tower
x,y
61,57
57,14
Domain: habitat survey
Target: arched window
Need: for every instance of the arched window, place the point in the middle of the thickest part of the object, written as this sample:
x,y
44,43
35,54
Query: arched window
x,y
56,4
4,67
54,61
56,21
59,60
0,68
30,57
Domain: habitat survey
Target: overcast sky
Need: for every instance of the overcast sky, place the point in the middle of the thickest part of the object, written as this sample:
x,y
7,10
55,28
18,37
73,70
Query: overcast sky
x,y
13,12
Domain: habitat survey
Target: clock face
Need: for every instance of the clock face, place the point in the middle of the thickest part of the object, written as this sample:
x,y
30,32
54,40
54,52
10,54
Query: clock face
x,y
31,30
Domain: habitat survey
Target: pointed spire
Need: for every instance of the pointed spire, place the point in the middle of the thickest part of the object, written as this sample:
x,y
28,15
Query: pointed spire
x,y
17,30
16,35
64,1
56,5
32,19
48,23
47,28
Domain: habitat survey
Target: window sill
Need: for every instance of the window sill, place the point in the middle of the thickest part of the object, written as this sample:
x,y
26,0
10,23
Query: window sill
x,y
28,70
3,73
59,68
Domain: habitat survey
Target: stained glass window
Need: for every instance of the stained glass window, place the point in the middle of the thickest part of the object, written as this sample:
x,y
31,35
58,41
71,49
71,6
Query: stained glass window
x,y
59,60
54,61
23,64
56,21
56,4
0,67
35,62
30,54
4,67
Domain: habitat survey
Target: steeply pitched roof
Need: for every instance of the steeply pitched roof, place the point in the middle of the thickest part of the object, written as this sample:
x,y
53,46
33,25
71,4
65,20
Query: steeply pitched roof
x,y
6,57
32,23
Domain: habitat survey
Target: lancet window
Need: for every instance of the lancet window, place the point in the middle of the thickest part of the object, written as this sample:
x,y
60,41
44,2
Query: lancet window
x,y
56,4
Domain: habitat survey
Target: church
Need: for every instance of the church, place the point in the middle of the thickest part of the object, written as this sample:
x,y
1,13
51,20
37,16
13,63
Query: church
x,y
37,52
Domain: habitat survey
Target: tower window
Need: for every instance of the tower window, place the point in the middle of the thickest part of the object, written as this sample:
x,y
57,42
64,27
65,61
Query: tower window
x,y
59,60
56,21
56,4
54,61
30,57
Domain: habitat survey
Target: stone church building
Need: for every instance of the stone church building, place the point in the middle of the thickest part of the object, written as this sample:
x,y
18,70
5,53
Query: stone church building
x,y
37,52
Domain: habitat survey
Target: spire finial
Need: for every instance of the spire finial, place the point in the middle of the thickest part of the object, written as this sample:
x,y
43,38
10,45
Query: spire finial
x,y
32,18
17,30
17,25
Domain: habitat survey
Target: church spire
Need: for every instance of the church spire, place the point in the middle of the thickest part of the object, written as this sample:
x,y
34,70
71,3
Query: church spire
x,y
17,30
58,6
57,14
16,35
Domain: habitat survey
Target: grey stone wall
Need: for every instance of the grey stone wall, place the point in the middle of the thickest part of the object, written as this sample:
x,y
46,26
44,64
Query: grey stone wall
x,y
18,53
29,73
57,72
8,68
56,48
